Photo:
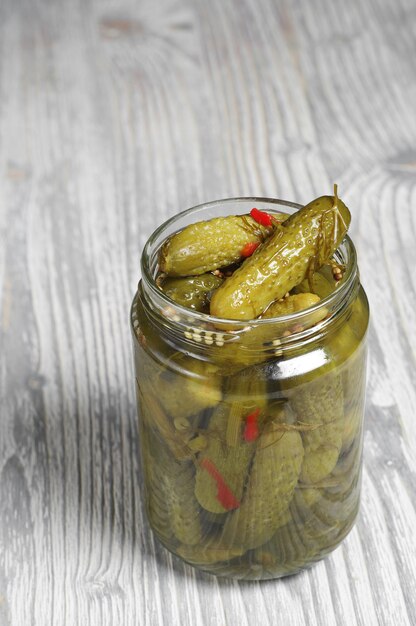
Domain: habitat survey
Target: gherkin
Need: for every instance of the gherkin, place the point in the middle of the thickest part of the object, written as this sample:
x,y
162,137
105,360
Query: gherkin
x,y
318,283
231,463
155,418
172,506
303,243
273,478
187,386
292,304
193,292
320,403
206,246
227,450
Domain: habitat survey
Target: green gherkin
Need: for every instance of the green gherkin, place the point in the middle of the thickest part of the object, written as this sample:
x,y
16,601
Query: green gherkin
x,y
292,304
155,418
192,292
206,246
172,506
188,386
319,283
300,246
272,480
320,403
231,462
157,505
227,449
307,534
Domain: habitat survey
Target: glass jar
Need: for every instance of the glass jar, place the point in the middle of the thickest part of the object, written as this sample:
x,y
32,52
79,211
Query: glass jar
x,y
251,433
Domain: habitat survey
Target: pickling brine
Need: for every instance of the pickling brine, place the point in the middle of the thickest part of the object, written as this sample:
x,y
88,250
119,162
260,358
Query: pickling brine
x,y
249,328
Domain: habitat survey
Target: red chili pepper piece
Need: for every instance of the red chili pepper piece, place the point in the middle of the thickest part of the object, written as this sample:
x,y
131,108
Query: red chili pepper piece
x,y
251,429
261,217
224,494
249,248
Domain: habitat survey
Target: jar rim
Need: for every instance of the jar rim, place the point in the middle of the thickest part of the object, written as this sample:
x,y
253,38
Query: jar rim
x,y
334,299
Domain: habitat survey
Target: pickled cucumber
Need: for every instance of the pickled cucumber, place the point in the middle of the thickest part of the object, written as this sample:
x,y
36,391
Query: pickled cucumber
x,y
156,419
320,283
206,246
172,506
302,244
292,304
188,386
193,292
227,451
273,478
320,403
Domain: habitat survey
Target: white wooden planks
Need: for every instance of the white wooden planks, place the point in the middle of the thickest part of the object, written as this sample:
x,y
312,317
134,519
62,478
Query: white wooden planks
x,y
113,116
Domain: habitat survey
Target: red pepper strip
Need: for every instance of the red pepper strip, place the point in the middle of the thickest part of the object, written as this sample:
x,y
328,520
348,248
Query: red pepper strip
x,y
249,248
224,494
261,217
251,429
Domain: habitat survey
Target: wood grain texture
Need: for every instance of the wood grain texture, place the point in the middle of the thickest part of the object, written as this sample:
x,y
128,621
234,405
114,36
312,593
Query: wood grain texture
x,y
113,116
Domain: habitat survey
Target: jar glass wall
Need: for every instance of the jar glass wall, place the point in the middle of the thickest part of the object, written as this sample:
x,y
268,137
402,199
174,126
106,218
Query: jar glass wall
x,y
251,433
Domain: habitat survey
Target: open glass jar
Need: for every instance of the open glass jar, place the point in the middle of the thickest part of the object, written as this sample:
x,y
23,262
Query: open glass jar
x,y
251,433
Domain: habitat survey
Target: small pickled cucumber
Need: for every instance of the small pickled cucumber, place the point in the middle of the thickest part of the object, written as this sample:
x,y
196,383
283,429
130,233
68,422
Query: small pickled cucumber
x,y
227,451
172,395
296,545
231,463
157,506
320,403
286,551
188,386
292,304
171,502
184,510
319,283
333,514
272,480
300,246
206,246
156,419
193,292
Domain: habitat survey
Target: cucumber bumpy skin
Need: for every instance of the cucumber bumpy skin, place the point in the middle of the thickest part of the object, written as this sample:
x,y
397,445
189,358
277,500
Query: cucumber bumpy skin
x,y
209,245
270,488
320,403
172,507
300,246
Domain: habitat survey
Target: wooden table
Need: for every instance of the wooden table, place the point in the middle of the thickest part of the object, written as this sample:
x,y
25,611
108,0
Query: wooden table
x,y
114,116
